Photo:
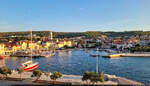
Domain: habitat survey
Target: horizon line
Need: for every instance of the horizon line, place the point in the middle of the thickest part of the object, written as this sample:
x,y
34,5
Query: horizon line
x,y
79,31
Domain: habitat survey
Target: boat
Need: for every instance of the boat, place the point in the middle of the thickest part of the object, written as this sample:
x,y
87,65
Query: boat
x,y
30,65
94,55
50,54
2,57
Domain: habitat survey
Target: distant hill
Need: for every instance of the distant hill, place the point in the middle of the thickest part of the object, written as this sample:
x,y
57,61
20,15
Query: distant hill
x,y
74,34
47,34
127,33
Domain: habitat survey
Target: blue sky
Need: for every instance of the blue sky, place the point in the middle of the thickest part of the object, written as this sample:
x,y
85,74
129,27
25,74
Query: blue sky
x,y
74,15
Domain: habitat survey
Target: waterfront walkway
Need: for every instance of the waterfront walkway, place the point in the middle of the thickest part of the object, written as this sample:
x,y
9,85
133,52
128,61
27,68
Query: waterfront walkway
x,y
73,79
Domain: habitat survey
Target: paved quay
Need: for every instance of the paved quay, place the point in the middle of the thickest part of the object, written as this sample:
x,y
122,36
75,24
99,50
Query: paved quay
x,y
73,79
124,81
135,55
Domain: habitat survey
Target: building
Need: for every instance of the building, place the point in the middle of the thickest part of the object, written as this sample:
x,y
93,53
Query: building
x,y
2,49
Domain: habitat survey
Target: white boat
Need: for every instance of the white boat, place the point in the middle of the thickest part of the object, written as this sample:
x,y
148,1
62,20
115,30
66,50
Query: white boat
x,y
30,65
50,54
94,55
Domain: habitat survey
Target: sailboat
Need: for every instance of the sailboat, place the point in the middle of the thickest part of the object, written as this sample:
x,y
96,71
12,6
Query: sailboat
x,y
30,65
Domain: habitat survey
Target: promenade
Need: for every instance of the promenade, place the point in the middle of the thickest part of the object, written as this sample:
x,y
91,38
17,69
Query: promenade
x,y
73,79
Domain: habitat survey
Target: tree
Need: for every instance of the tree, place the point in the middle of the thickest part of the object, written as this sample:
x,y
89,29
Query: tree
x,y
102,77
66,46
55,76
20,71
5,71
86,76
36,73
92,34
94,77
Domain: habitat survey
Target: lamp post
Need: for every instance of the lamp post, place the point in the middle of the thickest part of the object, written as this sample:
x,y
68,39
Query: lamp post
x,y
97,61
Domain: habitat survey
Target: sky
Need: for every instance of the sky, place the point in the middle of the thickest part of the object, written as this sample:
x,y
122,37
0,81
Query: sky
x,y
74,15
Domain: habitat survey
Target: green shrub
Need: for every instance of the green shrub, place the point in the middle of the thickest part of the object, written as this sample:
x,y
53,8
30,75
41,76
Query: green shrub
x,y
102,77
36,73
55,75
5,71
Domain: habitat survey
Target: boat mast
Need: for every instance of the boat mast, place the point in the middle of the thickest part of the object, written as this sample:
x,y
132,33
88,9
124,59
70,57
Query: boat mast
x,y
31,45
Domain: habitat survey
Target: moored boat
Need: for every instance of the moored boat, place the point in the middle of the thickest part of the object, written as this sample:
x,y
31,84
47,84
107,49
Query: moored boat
x,y
94,55
2,57
29,65
49,54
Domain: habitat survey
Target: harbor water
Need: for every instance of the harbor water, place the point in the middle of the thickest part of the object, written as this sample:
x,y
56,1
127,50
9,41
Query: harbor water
x,y
77,61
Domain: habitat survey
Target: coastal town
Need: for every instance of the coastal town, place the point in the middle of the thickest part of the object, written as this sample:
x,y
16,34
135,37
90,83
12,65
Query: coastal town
x,y
119,44
44,47
74,42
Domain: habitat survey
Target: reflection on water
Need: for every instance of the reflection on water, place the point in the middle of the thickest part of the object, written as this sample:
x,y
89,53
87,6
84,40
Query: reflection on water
x,y
77,61
2,62
69,53
62,53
